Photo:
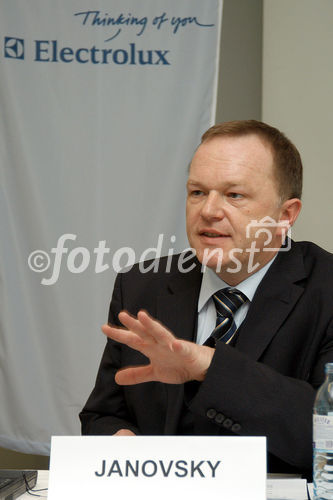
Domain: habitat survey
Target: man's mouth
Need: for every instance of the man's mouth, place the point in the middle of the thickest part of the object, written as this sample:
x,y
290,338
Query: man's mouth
x,y
213,234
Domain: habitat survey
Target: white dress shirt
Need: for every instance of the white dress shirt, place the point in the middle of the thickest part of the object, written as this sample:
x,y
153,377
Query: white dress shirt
x,y
210,284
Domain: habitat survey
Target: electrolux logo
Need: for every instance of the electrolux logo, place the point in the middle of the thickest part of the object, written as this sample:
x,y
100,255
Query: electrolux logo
x,y
53,51
14,48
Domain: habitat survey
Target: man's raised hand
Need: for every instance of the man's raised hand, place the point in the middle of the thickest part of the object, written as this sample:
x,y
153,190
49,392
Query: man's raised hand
x,y
172,360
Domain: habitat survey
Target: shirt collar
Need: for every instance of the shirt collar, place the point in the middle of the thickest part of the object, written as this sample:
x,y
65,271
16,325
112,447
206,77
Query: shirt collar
x,y
211,283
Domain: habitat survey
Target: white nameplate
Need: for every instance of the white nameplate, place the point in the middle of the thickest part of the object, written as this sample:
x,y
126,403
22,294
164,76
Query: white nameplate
x,y
163,467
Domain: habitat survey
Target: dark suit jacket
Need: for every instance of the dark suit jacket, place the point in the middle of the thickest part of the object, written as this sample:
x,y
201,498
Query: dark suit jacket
x,y
264,385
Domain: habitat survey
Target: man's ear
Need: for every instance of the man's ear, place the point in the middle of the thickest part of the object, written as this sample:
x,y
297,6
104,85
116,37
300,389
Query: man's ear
x,y
290,210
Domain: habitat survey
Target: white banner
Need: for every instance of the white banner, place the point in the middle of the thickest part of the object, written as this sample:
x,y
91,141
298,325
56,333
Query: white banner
x,y
102,105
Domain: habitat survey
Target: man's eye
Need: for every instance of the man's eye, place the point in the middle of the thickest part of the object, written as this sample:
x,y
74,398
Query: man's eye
x,y
235,196
196,192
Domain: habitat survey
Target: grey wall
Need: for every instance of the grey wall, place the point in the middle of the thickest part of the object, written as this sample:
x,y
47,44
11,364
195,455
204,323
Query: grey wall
x,y
298,98
240,75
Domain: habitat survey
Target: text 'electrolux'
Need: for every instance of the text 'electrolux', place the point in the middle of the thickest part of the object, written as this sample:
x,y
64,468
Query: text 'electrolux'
x,y
49,51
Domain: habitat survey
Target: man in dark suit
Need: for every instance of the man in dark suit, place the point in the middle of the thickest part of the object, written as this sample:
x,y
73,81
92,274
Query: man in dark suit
x,y
254,369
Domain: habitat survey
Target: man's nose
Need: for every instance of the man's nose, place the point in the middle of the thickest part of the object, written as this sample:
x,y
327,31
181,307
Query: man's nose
x,y
213,207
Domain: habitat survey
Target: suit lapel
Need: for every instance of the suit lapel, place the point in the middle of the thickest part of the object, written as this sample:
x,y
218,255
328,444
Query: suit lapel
x,y
273,301
177,309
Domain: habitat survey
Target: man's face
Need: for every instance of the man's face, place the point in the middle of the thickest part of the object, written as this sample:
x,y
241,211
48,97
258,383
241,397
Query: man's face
x,y
231,183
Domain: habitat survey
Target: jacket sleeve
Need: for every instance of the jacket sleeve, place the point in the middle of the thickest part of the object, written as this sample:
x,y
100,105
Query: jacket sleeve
x,y
106,411
250,398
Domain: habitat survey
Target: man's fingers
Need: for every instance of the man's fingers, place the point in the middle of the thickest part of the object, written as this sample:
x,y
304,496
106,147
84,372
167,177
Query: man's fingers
x,y
146,327
159,332
134,375
122,335
134,325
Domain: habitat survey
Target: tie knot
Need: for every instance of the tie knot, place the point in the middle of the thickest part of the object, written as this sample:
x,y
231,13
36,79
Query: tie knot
x,y
228,300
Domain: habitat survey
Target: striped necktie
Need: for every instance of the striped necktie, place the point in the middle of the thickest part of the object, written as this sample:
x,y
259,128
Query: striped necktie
x,y
227,301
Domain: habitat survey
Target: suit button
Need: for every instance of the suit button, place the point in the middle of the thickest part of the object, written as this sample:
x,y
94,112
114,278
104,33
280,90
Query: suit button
x,y
211,413
227,423
236,428
219,418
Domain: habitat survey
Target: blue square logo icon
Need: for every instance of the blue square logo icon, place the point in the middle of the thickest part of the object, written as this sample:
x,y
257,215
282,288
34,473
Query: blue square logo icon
x,y
14,48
